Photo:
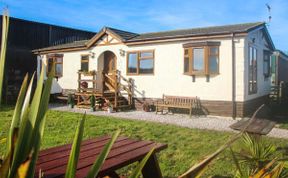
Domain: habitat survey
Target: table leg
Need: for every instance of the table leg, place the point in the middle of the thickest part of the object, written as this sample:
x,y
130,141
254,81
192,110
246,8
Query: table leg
x,y
112,175
151,168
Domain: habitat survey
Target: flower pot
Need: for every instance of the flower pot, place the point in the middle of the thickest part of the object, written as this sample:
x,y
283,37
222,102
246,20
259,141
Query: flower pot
x,y
92,109
71,106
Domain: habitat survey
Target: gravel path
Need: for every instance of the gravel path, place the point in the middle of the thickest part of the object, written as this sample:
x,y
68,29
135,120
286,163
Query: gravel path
x,y
182,120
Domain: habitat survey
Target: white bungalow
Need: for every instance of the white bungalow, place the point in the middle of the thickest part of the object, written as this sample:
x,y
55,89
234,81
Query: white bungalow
x,y
227,67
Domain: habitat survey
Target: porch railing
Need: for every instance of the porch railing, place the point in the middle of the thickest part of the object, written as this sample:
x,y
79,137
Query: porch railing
x,y
120,85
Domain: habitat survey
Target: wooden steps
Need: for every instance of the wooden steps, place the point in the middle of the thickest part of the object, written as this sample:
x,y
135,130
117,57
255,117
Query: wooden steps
x,y
106,86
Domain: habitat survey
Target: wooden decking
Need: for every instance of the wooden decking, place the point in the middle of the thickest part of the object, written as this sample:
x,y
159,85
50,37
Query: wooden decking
x,y
257,126
53,162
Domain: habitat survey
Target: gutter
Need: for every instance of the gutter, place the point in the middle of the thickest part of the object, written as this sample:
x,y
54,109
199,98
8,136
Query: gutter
x,y
233,77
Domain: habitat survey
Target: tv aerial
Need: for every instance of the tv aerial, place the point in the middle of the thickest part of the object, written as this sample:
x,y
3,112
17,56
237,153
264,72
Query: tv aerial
x,y
269,12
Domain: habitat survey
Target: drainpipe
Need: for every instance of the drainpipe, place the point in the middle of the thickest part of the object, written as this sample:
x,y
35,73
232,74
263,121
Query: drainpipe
x,y
233,77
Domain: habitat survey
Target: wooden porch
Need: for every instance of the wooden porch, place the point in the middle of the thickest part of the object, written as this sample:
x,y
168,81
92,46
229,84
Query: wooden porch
x,y
109,87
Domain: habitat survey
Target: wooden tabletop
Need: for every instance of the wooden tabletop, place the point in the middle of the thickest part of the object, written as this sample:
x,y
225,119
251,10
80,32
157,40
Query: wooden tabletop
x,y
125,151
257,126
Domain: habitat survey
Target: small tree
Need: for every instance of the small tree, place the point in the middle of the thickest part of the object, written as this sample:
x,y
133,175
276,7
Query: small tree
x,y
70,100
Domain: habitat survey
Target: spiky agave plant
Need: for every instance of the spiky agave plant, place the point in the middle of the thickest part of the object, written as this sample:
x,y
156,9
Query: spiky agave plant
x,y
257,158
26,131
199,169
5,28
273,169
255,153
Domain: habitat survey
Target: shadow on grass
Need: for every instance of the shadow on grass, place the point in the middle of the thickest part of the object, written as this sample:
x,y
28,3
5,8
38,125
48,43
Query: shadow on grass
x,y
6,107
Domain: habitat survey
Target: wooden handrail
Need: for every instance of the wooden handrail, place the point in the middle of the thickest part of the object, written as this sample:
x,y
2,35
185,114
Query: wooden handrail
x,y
128,89
110,78
125,88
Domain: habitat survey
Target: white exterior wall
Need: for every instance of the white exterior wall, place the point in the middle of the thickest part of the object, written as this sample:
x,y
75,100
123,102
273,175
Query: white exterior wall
x,y
263,84
168,75
71,65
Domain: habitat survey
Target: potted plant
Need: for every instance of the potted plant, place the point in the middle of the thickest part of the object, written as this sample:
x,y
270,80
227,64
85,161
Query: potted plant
x,y
109,106
99,103
92,103
70,100
148,107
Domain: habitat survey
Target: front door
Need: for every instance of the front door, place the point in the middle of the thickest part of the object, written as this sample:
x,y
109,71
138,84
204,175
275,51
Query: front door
x,y
109,69
109,62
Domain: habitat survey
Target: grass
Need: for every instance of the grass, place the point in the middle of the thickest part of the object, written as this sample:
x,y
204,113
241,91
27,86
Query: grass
x,y
185,146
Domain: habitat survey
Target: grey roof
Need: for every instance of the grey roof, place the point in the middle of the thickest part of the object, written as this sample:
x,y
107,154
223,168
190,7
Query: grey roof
x,y
133,37
237,28
282,53
125,35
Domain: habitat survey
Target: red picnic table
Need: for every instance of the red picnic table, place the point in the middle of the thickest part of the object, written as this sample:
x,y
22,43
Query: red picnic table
x,y
53,161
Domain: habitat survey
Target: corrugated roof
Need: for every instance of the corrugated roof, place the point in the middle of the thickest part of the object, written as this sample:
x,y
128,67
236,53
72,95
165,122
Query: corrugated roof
x,y
75,44
133,37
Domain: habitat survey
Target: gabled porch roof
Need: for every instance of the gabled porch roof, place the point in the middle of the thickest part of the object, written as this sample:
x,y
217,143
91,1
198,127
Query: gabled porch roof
x,y
116,33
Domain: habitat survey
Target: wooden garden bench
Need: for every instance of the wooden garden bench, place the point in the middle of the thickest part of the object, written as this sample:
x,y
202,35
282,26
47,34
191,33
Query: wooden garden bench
x,y
53,161
177,102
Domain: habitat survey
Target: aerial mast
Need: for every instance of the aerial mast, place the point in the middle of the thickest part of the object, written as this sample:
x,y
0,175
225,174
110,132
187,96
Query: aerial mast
x,y
269,13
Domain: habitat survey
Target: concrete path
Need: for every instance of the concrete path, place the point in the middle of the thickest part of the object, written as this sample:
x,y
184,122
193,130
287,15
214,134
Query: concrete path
x,y
182,120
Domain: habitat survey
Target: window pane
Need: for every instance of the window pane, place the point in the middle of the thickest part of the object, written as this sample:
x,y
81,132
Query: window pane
x,y
252,76
266,63
250,55
85,66
58,69
86,57
146,66
186,64
214,51
198,59
146,54
255,65
58,59
265,68
50,64
255,55
186,52
132,63
213,64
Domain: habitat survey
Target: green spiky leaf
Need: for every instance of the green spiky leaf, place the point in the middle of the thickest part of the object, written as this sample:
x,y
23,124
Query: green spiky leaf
x,y
38,130
102,156
17,114
5,29
75,150
137,171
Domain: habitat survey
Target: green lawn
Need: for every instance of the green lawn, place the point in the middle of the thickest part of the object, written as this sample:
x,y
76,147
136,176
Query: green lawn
x,y
185,146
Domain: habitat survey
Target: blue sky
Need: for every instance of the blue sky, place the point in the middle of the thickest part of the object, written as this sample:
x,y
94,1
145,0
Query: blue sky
x,y
153,15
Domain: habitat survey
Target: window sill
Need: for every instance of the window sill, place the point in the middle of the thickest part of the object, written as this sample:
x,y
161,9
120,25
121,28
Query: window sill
x,y
140,74
201,74
252,93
